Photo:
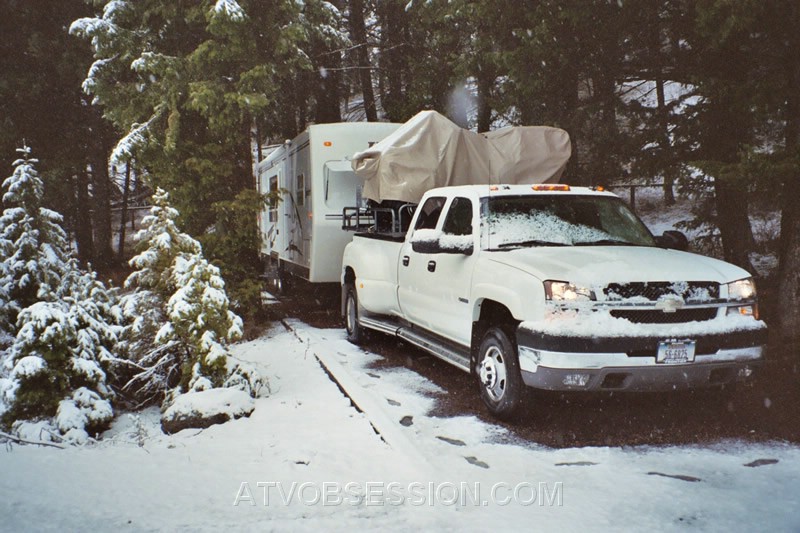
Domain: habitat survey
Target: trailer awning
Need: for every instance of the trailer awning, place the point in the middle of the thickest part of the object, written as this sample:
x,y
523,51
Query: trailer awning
x,y
431,151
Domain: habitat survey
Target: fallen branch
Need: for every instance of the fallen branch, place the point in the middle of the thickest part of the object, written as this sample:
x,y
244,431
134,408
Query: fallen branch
x,y
19,440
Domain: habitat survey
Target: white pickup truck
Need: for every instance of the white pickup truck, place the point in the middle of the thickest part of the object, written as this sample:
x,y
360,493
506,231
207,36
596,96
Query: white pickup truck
x,y
553,287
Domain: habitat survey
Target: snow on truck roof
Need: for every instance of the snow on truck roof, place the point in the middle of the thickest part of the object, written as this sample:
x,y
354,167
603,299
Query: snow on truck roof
x,y
430,151
485,191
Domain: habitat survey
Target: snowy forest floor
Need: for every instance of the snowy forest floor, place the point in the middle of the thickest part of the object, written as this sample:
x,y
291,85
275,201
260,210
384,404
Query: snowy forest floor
x,y
379,458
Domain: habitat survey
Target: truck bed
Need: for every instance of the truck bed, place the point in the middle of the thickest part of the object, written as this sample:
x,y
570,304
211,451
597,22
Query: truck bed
x,y
383,236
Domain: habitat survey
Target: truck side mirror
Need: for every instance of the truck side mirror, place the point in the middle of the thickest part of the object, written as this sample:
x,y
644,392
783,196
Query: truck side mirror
x,y
673,240
430,242
425,246
456,244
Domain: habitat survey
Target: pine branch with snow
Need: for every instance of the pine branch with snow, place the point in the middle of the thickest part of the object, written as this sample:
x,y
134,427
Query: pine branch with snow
x,y
178,321
63,353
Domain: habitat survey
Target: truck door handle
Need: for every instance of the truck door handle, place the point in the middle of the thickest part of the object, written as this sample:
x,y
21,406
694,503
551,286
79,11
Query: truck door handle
x,y
405,260
431,266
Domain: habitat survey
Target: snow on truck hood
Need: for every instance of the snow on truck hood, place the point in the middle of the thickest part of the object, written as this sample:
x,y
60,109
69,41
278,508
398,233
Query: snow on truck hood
x,y
601,265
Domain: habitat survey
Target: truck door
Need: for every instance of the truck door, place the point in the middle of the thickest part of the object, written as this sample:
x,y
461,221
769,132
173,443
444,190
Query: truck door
x,y
435,287
415,299
450,282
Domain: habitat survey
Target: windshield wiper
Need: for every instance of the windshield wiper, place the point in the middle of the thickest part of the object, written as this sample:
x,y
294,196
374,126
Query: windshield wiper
x,y
605,242
532,242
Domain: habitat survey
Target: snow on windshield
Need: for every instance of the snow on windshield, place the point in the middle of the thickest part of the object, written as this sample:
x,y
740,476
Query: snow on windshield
x,y
505,229
560,220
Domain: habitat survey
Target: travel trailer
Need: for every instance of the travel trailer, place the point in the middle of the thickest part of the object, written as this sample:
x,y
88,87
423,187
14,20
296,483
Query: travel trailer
x,y
311,181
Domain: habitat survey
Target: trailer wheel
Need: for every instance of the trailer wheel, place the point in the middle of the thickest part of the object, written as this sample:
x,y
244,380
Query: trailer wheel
x,y
499,378
355,333
283,282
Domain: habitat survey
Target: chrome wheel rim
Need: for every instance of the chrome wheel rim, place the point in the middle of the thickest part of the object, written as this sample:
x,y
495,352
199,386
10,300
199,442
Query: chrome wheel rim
x,y
493,373
351,313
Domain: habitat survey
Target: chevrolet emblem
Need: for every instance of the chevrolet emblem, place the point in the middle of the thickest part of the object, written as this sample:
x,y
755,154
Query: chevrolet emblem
x,y
669,305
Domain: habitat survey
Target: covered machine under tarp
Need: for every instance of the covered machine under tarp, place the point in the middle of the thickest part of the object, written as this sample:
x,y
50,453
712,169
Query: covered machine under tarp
x,y
431,151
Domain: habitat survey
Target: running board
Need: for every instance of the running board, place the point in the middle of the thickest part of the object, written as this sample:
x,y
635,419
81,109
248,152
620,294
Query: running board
x,y
444,350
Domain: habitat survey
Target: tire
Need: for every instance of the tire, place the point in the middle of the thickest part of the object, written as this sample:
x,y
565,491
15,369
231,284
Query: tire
x,y
355,333
499,378
283,282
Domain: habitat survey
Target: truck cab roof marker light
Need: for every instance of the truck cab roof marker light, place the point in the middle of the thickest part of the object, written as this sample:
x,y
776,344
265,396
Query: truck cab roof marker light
x,y
550,187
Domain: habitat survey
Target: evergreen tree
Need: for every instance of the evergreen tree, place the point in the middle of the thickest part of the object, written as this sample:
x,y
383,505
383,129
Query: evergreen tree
x,y
178,317
34,249
64,320
191,82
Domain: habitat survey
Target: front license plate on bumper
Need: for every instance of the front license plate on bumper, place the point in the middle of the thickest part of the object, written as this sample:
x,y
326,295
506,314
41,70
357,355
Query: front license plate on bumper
x,y
675,352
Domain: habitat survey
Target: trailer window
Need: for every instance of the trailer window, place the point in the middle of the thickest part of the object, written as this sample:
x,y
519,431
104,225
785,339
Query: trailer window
x,y
300,190
429,213
273,198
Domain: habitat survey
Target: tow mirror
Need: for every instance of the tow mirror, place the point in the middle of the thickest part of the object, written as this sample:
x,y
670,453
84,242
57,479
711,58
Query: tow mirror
x,y
673,240
425,242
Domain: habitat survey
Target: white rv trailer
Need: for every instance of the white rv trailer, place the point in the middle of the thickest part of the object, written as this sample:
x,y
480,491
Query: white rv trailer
x,y
302,235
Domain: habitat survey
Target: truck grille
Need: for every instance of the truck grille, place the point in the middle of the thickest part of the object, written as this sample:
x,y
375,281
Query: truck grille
x,y
653,290
656,316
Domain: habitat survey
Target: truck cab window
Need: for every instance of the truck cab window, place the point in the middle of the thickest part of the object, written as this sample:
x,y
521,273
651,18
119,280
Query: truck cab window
x,y
429,213
459,217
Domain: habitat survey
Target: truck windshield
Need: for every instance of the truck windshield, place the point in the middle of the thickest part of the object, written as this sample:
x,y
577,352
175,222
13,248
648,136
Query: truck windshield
x,y
509,222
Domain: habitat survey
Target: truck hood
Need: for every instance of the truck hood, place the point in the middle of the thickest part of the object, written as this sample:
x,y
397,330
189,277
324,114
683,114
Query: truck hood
x,y
593,266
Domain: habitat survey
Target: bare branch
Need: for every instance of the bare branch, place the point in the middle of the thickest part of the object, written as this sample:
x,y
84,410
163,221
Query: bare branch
x,y
19,440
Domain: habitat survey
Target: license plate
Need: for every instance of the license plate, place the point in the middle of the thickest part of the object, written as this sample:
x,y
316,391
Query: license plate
x,y
675,352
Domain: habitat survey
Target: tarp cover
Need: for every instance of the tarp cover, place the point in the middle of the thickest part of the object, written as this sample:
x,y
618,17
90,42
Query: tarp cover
x,y
430,151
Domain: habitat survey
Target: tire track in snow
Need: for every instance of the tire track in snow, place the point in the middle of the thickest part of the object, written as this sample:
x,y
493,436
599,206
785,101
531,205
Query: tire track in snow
x,y
362,400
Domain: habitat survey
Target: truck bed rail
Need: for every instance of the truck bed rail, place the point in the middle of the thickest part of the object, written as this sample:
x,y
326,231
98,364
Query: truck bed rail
x,y
377,219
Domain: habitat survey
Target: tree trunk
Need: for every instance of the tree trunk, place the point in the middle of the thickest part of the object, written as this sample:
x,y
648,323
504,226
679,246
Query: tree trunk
x,y
393,53
664,142
101,212
359,32
123,218
733,222
83,221
485,85
789,253
327,78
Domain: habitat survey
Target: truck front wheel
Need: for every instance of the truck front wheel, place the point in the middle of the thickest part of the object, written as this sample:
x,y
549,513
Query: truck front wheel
x,y
355,333
499,377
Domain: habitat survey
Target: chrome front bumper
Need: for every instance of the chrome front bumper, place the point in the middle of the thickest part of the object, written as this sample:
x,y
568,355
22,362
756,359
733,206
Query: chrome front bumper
x,y
630,364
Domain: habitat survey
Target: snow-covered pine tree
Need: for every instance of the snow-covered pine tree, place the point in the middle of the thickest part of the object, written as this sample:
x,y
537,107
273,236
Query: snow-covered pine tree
x,y
65,321
60,357
178,321
34,249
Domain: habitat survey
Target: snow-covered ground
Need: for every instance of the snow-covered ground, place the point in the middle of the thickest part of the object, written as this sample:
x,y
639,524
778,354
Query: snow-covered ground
x,y
307,459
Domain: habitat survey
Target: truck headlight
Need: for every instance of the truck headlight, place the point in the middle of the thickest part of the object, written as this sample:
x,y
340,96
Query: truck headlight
x,y
563,291
743,289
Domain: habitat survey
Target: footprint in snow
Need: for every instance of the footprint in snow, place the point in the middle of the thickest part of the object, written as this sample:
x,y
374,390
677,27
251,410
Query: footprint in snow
x,y
761,462
477,462
690,479
577,463
407,421
393,402
454,442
